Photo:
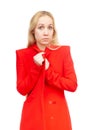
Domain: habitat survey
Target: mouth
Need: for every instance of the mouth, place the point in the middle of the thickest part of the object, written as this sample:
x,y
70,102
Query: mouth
x,y
45,39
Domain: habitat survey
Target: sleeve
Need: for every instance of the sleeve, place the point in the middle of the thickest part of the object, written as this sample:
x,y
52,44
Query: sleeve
x,y
26,78
67,81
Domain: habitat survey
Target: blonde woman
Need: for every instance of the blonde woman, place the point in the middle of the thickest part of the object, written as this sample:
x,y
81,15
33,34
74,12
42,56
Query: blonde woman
x,y
45,70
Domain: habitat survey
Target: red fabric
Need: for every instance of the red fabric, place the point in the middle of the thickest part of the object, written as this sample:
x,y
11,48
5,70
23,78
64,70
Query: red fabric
x,y
45,107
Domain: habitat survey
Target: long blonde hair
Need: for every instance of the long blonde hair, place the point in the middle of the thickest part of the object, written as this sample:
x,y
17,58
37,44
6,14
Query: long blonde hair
x,y
33,23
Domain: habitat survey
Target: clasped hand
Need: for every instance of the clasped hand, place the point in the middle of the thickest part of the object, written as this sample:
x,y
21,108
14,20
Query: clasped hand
x,y
39,59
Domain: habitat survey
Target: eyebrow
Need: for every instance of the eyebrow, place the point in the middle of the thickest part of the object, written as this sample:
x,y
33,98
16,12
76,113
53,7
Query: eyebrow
x,y
43,24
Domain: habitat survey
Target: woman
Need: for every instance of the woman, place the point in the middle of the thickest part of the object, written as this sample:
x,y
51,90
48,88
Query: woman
x,y
45,70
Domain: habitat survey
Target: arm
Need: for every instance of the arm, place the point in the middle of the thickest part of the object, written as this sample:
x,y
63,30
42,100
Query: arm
x,y
68,80
26,78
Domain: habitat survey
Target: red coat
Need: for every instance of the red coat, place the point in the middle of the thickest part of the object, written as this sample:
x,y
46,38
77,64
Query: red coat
x,y
45,107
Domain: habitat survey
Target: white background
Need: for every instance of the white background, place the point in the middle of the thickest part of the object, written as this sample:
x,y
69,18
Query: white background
x,y
14,21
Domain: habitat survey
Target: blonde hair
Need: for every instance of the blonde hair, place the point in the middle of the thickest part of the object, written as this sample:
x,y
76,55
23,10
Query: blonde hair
x,y
33,23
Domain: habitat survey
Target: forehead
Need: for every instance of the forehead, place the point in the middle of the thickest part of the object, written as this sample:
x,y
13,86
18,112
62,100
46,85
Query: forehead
x,y
45,20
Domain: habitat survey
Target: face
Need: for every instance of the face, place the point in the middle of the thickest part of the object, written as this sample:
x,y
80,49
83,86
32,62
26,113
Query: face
x,y
44,31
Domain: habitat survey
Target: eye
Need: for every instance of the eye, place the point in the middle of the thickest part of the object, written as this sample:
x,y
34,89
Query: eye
x,y
50,27
41,27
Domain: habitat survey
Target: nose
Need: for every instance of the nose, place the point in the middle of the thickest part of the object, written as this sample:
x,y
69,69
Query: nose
x,y
45,31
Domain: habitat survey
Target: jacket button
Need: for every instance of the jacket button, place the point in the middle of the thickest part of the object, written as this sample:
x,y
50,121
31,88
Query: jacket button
x,y
50,102
51,117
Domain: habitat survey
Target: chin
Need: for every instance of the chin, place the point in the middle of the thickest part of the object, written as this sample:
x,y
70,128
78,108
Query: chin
x,y
45,43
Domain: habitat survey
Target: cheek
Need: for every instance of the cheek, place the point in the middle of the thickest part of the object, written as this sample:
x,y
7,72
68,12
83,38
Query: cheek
x,y
37,35
51,35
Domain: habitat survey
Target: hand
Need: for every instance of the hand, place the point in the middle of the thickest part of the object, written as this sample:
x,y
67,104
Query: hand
x,y
46,64
39,59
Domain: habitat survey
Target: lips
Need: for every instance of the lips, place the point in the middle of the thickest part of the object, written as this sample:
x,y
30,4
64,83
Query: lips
x,y
45,39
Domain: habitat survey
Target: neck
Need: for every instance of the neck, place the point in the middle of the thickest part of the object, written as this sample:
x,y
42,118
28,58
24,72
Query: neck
x,y
41,47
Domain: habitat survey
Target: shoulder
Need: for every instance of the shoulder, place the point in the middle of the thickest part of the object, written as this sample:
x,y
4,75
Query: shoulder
x,y
65,47
24,51
63,50
59,47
